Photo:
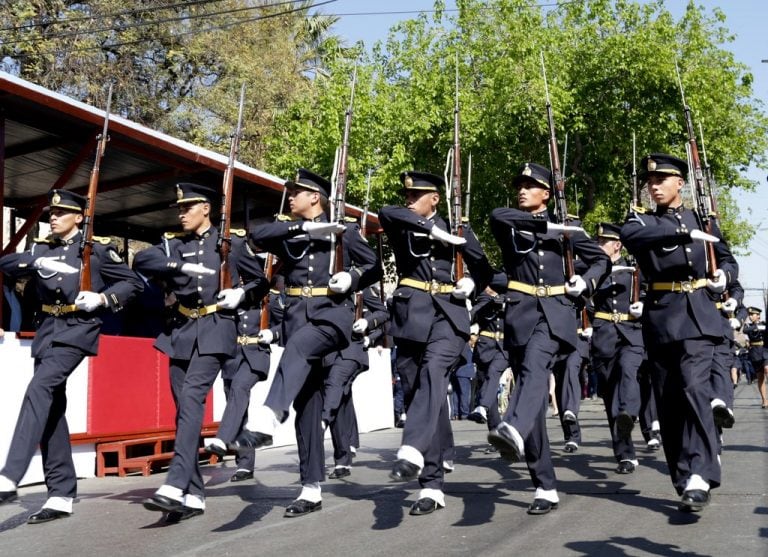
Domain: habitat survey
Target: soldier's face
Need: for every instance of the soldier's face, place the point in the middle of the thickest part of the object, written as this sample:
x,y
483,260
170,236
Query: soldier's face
x,y
609,246
423,203
194,217
531,196
63,223
665,189
301,201
754,317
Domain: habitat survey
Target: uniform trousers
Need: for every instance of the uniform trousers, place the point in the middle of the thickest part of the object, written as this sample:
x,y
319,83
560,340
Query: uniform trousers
x,y
304,349
620,391
424,369
238,394
489,376
681,380
722,384
42,421
527,411
648,410
338,380
191,380
344,432
310,434
568,392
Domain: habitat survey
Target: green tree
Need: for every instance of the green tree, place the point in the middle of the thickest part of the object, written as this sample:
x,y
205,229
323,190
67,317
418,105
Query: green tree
x,y
611,70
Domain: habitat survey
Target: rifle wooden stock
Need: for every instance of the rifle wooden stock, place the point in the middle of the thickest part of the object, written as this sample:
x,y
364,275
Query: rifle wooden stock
x,y
86,242
225,236
702,207
458,257
340,181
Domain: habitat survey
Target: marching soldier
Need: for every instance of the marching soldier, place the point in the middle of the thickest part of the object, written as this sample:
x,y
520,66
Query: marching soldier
x,y
617,348
539,323
239,375
490,357
755,331
318,319
338,407
430,326
68,327
199,338
680,324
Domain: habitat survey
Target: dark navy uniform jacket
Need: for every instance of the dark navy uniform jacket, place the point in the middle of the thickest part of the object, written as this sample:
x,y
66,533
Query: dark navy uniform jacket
x,y
306,262
662,246
420,258
109,276
614,296
535,257
488,312
214,333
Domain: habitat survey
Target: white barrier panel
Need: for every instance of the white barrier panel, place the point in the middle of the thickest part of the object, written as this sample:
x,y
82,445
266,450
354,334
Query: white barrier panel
x,y
17,372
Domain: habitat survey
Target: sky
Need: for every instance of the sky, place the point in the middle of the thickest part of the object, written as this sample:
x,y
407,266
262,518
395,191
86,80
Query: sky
x,y
370,21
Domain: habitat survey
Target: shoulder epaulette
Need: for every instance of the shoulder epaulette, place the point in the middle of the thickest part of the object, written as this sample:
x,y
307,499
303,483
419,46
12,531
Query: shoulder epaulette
x,y
172,235
239,232
464,220
639,210
349,219
283,218
103,240
46,240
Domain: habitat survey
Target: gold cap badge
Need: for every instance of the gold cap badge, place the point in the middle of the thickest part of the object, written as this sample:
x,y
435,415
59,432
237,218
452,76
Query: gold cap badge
x,y
651,165
179,193
56,199
527,171
408,182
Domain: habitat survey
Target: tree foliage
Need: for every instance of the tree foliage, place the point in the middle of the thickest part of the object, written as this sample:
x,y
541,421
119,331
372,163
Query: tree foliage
x,y
611,72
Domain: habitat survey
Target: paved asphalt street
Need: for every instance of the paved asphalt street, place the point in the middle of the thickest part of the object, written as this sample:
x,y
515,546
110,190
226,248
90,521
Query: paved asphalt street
x,y
601,513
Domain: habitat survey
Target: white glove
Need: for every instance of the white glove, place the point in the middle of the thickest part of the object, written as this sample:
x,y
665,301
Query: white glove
x,y
446,237
322,229
366,342
53,265
616,269
360,326
195,269
575,286
265,336
717,284
474,329
230,298
340,282
586,334
729,306
636,310
554,227
734,323
463,289
88,301
703,236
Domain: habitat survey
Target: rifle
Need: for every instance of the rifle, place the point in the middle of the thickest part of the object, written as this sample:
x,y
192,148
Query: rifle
x,y
86,241
363,229
269,272
456,229
561,210
469,186
709,177
635,202
702,200
225,237
339,185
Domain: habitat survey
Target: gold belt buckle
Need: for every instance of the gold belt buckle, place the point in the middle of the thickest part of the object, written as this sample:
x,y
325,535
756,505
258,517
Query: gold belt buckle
x,y
434,288
306,291
242,340
686,286
541,291
56,310
497,335
615,317
194,313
